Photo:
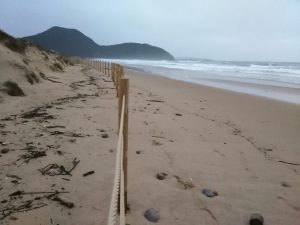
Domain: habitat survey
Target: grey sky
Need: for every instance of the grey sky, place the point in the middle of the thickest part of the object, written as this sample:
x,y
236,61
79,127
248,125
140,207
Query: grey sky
x,y
217,29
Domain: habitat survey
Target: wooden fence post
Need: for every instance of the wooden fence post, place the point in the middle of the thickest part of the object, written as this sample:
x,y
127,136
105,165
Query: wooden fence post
x,y
123,91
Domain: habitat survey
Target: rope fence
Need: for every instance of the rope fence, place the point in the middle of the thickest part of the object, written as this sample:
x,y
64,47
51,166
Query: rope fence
x,y
118,203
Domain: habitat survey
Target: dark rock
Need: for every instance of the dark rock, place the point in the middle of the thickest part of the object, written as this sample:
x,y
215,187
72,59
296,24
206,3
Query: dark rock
x,y
209,193
151,215
256,219
161,176
138,152
285,184
104,135
5,150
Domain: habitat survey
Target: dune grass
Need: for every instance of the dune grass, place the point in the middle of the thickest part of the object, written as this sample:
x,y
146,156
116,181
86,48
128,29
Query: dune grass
x,y
13,89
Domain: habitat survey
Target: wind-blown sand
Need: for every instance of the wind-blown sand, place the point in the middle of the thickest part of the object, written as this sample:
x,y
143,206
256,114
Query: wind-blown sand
x,y
201,137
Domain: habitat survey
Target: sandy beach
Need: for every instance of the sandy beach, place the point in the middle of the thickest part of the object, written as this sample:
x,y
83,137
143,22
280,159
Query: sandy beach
x,y
236,144
243,147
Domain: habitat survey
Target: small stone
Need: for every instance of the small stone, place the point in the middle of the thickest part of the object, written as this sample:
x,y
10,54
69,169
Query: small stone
x,y
5,150
256,219
209,193
161,176
285,184
138,152
104,135
151,215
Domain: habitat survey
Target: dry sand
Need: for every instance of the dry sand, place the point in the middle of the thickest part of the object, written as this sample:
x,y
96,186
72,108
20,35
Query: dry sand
x,y
65,118
201,137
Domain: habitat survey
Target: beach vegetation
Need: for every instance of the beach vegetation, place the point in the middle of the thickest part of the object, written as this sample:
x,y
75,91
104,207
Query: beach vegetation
x,y
12,43
56,67
13,89
31,77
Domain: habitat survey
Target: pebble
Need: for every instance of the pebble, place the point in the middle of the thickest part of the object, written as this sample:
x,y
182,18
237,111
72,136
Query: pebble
x,y
256,219
209,193
104,135
151,215
285,184
161,176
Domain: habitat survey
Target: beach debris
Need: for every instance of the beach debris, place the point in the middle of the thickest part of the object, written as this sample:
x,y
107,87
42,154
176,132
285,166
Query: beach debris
x,y
285,184
151,215
4,151
178,114
54,169
186,184
21,201
154,100
104,135
155,136
56,132
88,173
38,112
138,152
4,143
209,193
156,143
33,154
63,201
13,176
290,163
17,193
256,219
161,176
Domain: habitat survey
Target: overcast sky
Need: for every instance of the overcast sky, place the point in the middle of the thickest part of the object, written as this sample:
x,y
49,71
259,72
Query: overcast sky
x,y
217,29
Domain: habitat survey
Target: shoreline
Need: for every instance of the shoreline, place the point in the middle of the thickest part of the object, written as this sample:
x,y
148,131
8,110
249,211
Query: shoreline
x,y
285,92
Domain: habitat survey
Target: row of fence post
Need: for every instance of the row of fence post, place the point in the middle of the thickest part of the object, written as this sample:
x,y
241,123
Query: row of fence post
x,y
116,73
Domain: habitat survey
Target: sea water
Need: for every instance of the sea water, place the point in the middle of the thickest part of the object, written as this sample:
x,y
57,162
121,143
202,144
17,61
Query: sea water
x,y
277,80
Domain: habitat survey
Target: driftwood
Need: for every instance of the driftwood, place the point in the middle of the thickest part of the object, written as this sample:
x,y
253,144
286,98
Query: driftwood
x,y
88,173
54,169
294,164
186,184
154,100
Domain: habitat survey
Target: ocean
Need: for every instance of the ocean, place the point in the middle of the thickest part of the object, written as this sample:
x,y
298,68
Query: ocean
x,y
277,80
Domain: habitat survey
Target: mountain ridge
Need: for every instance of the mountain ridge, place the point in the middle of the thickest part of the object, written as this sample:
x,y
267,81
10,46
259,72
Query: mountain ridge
x,y
72,42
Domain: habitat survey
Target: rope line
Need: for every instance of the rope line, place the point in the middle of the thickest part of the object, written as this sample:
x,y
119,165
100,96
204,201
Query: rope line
x,y
118,187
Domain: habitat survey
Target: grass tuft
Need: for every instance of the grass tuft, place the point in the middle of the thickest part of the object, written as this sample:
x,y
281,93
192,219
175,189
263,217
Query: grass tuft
x,y
13,89
31,77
